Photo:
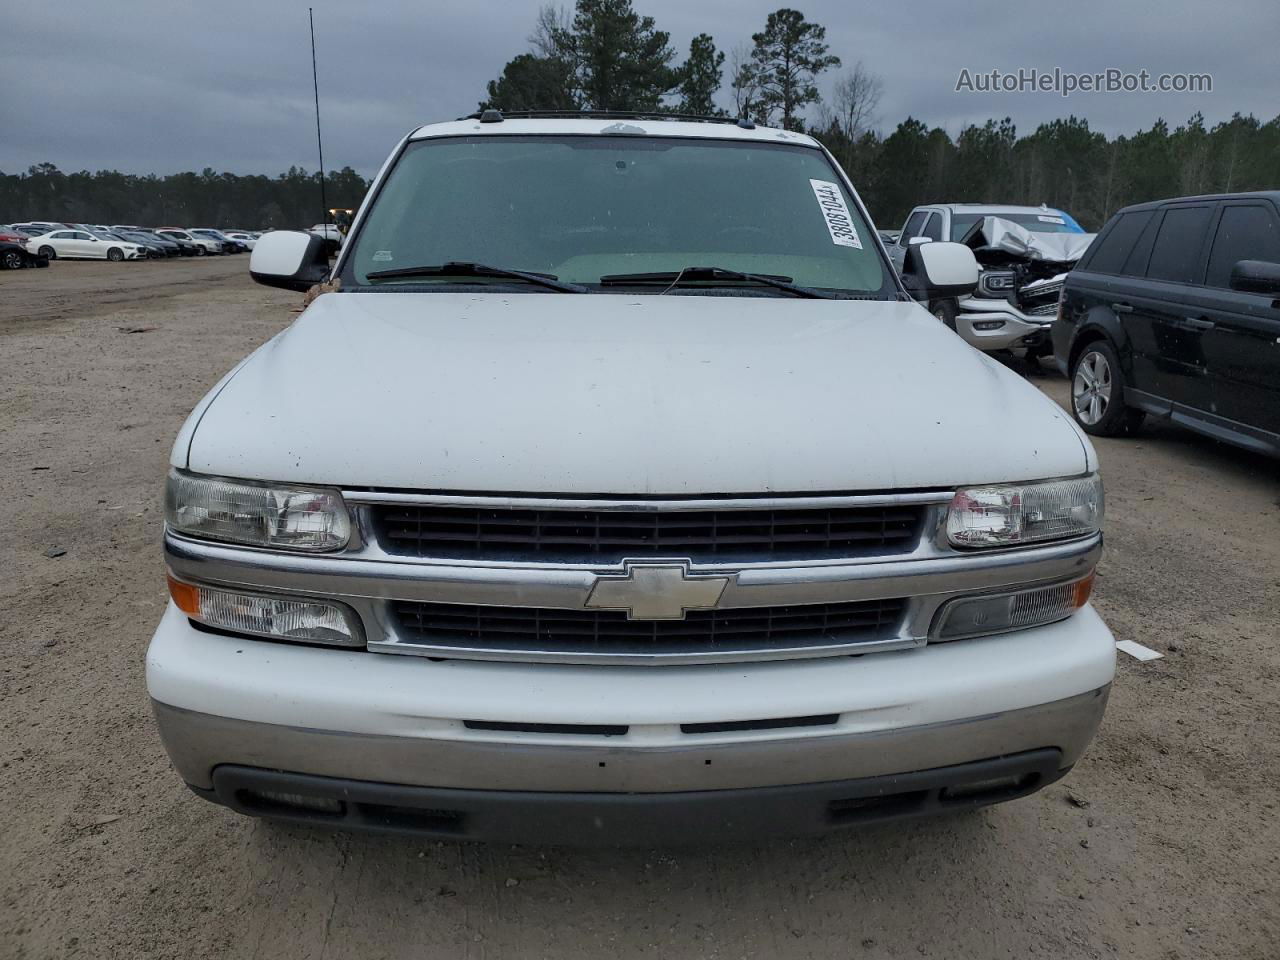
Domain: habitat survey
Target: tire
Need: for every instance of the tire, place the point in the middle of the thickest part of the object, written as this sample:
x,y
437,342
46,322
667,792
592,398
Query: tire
x,y
49,252
1097,392
945,311
115,254
11,260
1031,358
200,250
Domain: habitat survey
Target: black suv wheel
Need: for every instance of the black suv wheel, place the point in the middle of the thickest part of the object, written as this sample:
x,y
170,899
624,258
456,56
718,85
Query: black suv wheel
x,y
945,311
1097,392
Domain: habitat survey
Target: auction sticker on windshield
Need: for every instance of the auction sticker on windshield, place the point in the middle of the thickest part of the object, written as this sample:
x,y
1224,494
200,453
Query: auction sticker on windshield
x,y
839,223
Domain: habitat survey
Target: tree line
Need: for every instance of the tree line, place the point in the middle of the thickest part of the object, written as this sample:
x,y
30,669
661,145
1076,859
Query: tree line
x,y
291,199
604,55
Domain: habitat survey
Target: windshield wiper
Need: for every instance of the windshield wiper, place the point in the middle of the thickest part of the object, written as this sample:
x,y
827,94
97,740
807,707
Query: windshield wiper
x,y
464,268
702,274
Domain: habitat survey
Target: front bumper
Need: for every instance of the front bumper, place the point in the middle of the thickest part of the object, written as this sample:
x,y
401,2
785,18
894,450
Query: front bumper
x,y
991,324
577,819
224,702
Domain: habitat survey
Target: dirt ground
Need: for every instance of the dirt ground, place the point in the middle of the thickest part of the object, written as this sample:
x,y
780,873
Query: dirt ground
x,y
1170,848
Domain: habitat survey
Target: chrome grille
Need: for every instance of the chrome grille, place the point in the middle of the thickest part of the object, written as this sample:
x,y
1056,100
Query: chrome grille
x,y
593,536
568,633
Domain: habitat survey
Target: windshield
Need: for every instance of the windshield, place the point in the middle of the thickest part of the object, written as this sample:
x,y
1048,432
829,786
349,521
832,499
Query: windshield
x,y
1046,221
584,207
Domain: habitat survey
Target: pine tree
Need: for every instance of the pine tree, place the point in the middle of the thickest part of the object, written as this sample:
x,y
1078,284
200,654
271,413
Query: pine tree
x,y
621,61
700,77
788,55
532,83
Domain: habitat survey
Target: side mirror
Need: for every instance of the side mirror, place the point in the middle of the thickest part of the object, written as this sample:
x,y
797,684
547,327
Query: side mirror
x,y
1255,276
290,259
940,269
916,241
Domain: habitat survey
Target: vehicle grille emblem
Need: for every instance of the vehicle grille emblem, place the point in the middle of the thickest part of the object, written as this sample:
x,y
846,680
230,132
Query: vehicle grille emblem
x,y
656,591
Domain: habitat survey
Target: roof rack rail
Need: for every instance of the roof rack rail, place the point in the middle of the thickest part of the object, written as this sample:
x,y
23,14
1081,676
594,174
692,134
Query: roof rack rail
x,y
497,116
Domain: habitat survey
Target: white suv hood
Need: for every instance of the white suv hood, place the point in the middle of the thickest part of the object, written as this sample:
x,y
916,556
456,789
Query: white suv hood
x,y
602,394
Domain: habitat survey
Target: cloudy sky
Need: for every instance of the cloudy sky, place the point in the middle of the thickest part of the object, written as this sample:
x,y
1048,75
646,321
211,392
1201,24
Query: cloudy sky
x,y
160,86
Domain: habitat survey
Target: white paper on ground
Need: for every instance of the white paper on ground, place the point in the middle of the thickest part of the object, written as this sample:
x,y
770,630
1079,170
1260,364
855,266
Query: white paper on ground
x,y
1137,650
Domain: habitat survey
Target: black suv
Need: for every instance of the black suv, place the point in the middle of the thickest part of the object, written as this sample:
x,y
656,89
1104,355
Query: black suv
x,y
1174,311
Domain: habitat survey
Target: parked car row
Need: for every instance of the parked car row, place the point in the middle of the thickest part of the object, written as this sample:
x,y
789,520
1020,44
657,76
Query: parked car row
x,y
38,242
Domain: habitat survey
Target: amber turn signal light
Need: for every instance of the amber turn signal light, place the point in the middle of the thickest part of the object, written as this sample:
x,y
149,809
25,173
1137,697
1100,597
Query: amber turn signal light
x,y
1083,590
185,596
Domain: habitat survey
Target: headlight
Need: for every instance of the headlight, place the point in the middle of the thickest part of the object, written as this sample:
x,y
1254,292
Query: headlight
x,y
261,515
282,618
1013,514
997,284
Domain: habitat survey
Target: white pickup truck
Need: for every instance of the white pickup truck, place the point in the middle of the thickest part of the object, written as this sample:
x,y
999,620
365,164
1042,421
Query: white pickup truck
x,y
1025,254
622,492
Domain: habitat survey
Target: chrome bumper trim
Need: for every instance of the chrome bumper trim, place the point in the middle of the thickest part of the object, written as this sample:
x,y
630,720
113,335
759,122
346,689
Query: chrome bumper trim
x,y
569,587
199,742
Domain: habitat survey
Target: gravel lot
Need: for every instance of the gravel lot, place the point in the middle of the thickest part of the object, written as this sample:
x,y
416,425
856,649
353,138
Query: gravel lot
x,y
1163,843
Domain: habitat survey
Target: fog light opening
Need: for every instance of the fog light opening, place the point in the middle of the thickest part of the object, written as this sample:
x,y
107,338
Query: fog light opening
x,y
271,801
997,787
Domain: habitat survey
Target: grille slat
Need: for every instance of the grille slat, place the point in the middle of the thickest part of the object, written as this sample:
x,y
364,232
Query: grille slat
x,y
610,535
568,632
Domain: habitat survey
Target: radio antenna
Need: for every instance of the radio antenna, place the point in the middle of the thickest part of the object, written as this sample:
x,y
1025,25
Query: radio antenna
x,y
315,83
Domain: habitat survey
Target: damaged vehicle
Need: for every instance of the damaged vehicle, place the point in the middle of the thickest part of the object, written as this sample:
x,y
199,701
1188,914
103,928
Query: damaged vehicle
x,y
1025,254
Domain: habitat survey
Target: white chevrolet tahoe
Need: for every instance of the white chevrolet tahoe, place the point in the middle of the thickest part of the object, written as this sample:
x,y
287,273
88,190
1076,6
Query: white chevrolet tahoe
x,y
622,492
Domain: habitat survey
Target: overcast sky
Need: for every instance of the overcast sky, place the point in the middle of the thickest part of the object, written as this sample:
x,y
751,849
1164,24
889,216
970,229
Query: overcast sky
x,y
161,86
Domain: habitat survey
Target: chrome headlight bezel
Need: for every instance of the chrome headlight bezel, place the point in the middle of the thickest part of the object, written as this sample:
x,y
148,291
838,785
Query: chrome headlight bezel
x,y
273,516
992,516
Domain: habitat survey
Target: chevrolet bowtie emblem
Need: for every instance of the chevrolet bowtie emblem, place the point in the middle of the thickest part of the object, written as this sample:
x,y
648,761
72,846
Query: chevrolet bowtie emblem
x,y
656,591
